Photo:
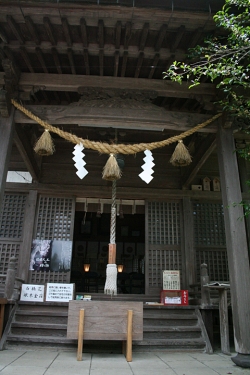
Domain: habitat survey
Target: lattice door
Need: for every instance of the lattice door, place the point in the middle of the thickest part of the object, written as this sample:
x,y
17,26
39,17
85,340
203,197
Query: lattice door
x,y
210,240
55,221
164,240
11,228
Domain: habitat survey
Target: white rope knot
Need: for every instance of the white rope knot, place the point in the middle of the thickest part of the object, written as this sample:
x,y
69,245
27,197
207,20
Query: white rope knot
x,y
111,279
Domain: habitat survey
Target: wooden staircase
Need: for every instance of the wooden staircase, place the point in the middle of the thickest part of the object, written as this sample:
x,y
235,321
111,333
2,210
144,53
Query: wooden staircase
x,y
164,328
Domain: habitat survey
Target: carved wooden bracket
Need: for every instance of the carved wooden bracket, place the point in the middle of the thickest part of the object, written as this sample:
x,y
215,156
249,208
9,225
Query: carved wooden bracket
x,y
11,79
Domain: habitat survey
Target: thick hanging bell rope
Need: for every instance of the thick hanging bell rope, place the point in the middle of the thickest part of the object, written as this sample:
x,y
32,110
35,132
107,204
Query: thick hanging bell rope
x,y
105,148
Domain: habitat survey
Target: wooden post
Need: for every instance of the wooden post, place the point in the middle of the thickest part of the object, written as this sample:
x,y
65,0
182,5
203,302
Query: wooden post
x,y
188,242
6,139
237,249
205,293
10,278
28,226
129,336
224,331
80,335
3,302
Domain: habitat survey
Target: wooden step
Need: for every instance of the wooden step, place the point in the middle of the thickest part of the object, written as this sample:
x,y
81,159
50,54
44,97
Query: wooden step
x,y
169,343
39,325
171,329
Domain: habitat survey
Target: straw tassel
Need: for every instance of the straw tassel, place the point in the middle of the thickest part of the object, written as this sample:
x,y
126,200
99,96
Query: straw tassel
x,y
181,156
111,170
45,145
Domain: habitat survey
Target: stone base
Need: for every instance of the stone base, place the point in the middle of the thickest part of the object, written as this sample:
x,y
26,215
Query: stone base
x,y
242,360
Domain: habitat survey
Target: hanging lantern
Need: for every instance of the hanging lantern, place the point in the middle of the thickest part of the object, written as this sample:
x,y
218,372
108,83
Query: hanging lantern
x,y
86,267
181,156
111,170
45,145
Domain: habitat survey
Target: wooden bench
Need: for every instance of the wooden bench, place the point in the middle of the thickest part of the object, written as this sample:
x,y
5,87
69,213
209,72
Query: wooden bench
x,y
105,320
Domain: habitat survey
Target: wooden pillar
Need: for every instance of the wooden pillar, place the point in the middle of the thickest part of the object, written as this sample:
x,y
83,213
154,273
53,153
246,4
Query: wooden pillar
x,y
6,139
236,240
189,242
28,229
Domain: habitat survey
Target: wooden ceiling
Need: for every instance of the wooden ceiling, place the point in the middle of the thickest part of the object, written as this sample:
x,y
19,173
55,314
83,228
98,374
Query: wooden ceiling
x,y
130,39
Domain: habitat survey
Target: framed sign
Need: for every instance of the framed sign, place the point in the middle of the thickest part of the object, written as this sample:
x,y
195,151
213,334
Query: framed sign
x,y
56,292
171,280
31,292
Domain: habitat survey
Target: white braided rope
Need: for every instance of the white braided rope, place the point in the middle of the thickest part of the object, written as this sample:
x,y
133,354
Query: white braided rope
x,y
113,213
111,277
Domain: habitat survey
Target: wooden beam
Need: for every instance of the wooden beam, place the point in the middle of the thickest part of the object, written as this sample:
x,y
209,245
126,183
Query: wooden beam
x,y
116,64
178,37
3,36
201,156
15,29
71,61
69,82
26,58
86,61
144,36
32,29
26,151
49,30
124,63
151,119
101,62
101,33
237,247
66,31
139,65
56,60
123,192
196,37
127,36
118,31
6,139
154,65
41,59
160,37
84,34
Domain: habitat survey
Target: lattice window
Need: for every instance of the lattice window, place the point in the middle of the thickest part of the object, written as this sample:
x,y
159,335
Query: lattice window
x,y
209,226
12,216
48,277
164,223
217,264
8,250
160,260
54,218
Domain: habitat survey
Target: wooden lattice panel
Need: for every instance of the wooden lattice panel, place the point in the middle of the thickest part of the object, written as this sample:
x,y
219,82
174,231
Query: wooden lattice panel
x,y
164,252
217,264
164,223
209,228
54,218
161,259
48,277
8,250
12,216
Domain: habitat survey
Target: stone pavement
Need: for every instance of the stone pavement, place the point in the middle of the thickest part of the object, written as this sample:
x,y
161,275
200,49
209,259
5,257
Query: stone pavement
x,y
21,361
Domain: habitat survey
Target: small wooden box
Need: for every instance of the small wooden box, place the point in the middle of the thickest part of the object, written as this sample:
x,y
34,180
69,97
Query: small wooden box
x,y
216,184
206,183
196,187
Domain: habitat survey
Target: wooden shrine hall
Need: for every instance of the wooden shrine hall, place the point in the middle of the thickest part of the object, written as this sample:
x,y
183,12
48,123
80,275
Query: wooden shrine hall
x,y
94,70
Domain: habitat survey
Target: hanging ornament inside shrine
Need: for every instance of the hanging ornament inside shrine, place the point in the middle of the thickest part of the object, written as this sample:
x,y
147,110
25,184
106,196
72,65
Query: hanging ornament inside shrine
x,y
146,175
45,145
111,170
181,156
79,162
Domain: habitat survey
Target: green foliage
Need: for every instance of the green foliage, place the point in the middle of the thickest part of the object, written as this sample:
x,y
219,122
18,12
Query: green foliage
x,y
225,59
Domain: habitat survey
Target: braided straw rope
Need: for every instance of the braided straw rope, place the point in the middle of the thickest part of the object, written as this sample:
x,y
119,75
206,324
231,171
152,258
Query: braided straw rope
x,y
105,148
113,214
